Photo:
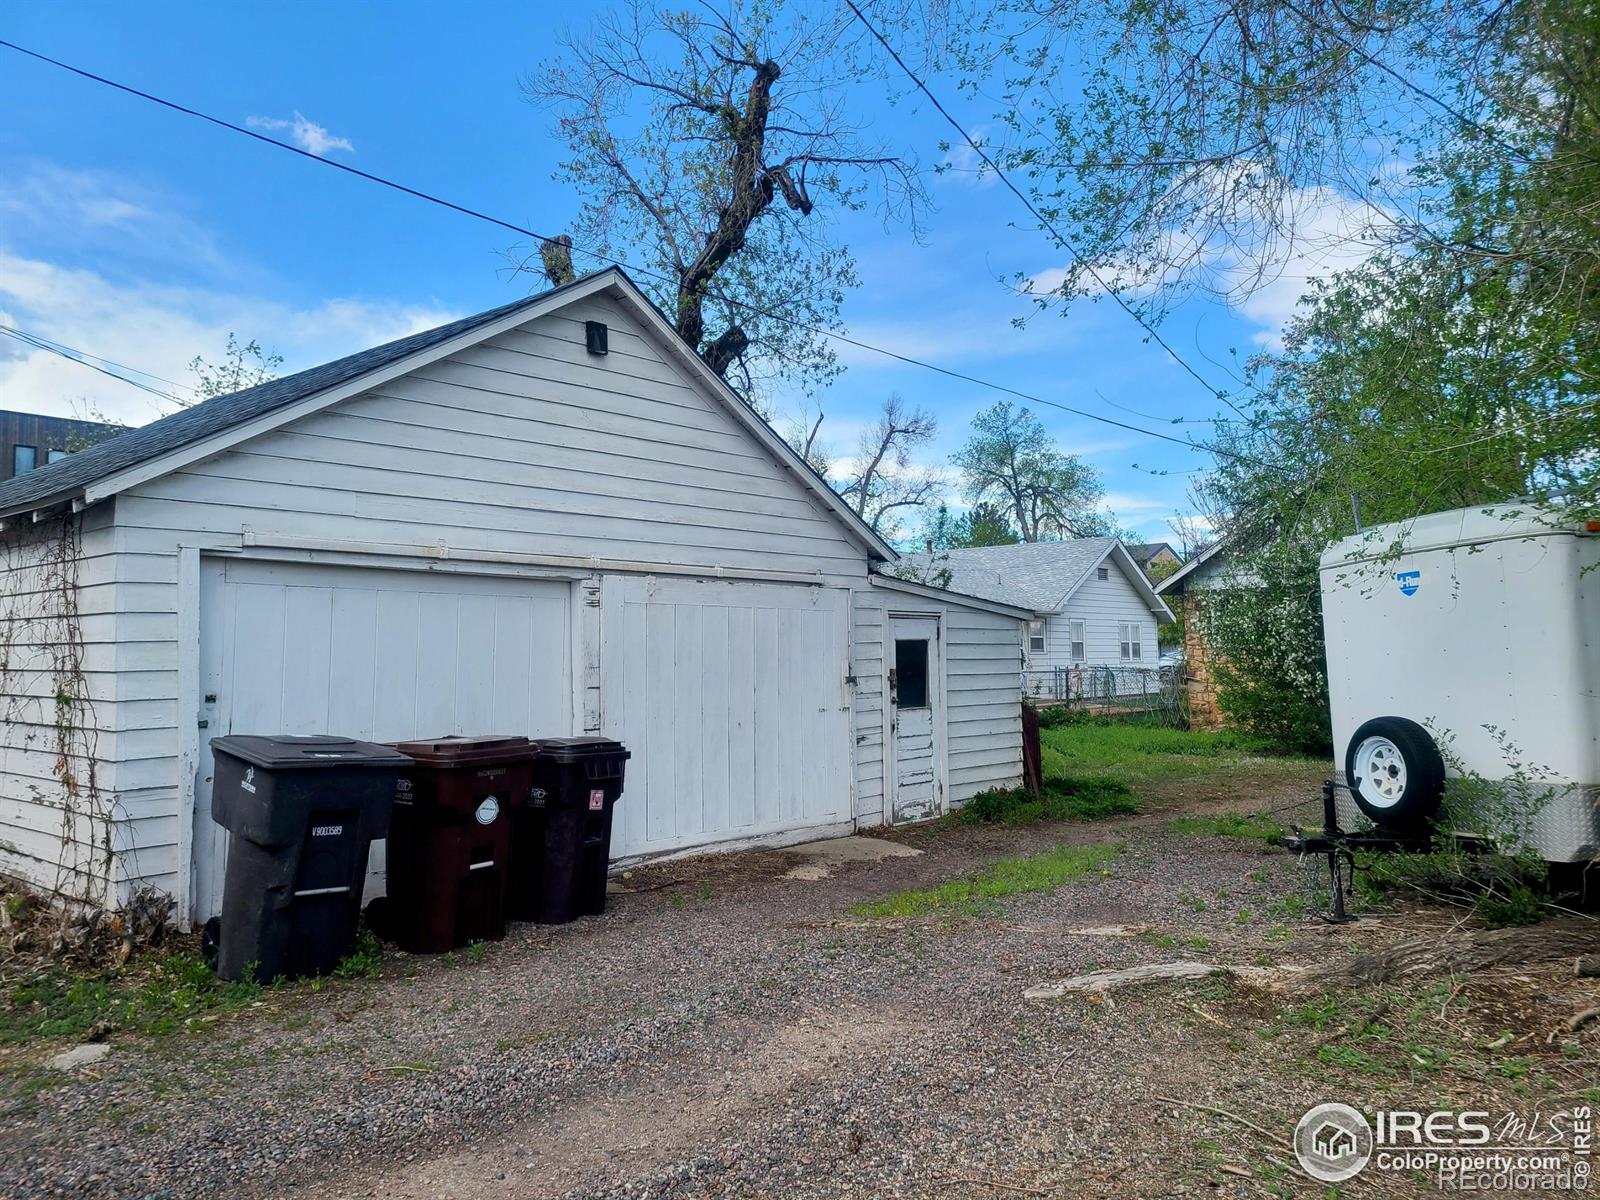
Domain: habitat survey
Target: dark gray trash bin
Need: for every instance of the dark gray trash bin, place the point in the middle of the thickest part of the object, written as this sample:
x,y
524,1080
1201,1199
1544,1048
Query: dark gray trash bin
x,y
303,812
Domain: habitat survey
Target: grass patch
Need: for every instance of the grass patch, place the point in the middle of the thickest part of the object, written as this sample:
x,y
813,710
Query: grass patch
x,y
1086,799
1252,827
1135,750
975,894
59,1004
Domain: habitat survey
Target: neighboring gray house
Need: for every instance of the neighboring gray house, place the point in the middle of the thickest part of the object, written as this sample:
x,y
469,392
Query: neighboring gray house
x,y
1092,605
550,518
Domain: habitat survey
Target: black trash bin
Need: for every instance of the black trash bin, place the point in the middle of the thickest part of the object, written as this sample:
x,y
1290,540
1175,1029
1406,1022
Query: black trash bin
x,y
561,840
302,812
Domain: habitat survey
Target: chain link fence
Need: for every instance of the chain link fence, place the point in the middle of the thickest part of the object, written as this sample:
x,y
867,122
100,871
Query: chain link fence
x,y
1109,690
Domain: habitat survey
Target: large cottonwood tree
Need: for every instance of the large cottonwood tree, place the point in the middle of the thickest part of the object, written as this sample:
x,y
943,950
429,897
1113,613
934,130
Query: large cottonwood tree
x,y
714,148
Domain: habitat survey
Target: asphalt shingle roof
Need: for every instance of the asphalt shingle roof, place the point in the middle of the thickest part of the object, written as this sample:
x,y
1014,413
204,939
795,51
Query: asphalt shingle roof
x,y
1035,575
71,475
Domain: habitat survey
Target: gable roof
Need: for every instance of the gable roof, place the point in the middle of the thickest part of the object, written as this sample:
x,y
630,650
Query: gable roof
x,y
912,587
69,475
1174,583
214,425
1040,576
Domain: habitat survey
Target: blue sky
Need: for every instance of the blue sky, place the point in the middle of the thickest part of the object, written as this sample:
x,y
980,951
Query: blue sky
x,y
146,237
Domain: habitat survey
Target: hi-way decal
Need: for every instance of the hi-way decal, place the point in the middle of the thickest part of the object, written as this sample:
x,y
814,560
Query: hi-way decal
x,y
1409,582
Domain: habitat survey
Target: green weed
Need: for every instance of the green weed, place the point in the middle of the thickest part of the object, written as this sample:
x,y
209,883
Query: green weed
x,y
1253,827
975,894
1087,799
365,961
175,989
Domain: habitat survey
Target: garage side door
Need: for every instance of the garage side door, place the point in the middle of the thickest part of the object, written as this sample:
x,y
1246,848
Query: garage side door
x,y
732,698
380,655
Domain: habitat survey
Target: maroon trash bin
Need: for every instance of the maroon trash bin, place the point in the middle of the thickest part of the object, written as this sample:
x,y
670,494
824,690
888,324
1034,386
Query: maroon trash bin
x,y
449,845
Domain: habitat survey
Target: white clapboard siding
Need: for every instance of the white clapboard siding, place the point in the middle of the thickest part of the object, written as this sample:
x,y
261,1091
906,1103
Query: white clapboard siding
x,y
982,654
732,699
1102,605
51,834
523,445
379,655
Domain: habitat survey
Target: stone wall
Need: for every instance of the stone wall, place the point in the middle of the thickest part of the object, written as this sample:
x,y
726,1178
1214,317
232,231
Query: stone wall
x,y
1204,711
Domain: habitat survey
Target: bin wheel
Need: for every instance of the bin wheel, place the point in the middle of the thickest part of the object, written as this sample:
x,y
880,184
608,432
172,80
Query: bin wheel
x,y
1395,771
379,916
211,941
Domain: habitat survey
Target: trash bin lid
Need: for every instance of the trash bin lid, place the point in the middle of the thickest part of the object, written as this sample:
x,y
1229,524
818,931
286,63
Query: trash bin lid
x,y
575,749
468,751
291,751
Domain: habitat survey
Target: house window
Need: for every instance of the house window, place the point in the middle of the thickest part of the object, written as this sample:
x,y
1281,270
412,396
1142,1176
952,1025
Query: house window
x,y
1128,635
1035,637
54,454
911,673
1079,643
23,459
1102,572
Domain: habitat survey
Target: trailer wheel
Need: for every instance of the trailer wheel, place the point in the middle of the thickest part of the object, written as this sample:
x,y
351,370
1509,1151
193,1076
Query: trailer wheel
x,y
1395,771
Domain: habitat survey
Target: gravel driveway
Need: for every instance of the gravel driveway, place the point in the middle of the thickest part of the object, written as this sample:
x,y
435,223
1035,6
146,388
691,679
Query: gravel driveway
x,y
731,1031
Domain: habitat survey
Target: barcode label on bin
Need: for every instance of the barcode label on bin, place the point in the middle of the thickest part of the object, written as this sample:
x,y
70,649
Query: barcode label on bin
x,y
597,799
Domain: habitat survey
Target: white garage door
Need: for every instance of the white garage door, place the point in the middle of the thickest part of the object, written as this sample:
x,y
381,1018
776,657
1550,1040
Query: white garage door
x,y
732,698
379,655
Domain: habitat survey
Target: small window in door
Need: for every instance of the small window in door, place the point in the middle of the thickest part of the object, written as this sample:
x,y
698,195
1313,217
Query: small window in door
x,y
1036,637
911,673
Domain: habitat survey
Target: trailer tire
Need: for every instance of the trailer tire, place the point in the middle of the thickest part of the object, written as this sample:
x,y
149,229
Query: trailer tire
x,y
1395,771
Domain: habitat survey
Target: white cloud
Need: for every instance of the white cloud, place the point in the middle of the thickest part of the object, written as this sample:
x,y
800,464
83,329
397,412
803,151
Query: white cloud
x,y
304,132
1261,272
1322,233
159,329
100,215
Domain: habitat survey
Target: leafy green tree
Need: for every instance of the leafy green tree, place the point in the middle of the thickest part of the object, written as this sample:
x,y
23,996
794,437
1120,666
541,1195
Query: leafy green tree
x,y
986,524
981,525
1181,146
1011,464
1202,145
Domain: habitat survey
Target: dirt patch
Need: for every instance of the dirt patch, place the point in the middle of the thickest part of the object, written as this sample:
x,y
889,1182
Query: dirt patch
x,y
593,1139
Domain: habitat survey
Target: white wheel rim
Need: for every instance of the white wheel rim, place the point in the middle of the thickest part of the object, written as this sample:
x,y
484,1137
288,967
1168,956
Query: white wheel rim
x,y
1380,772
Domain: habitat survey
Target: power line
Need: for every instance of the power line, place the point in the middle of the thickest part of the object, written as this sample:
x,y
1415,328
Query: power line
x,y
73,356
52,344
523,231
1060,238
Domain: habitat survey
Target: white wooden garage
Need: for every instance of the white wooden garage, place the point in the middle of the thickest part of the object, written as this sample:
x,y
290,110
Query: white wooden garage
x,y
488,527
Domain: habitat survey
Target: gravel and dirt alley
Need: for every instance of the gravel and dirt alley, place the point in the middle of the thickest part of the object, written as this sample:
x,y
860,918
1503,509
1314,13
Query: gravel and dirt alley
x,y
735,1027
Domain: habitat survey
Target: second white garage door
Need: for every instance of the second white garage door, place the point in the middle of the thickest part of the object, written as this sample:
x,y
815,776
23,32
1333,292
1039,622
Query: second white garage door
x,y
732,698
378,655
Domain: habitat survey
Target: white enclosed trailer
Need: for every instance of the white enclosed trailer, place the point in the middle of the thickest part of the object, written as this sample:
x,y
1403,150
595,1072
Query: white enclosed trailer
x,y
1468,642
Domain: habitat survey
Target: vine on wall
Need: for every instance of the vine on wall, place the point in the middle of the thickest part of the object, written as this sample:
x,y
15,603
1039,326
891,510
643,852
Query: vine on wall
x,y
48,706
